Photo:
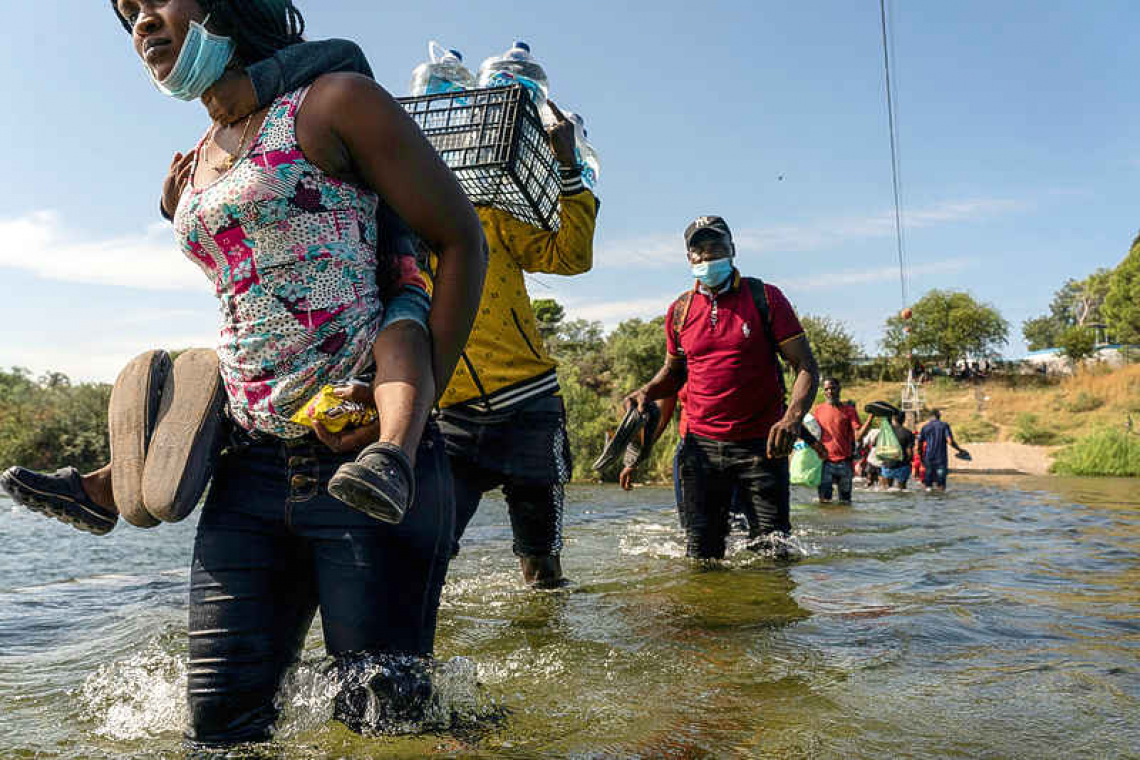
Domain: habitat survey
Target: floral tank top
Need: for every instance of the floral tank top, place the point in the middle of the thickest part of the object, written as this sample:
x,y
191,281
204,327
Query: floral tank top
x,y
292,255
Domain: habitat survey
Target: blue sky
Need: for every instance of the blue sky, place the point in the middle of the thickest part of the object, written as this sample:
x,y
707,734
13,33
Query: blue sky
x,y
1018,129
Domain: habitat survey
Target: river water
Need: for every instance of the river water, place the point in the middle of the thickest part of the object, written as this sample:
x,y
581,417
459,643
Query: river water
x,y
1001,619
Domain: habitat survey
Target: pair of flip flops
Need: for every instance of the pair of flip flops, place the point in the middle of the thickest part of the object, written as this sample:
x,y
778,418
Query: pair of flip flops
x,y
166,425
623,438
166,428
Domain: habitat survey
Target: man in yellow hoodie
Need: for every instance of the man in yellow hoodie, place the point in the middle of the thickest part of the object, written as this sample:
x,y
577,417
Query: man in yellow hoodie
x,y
502,414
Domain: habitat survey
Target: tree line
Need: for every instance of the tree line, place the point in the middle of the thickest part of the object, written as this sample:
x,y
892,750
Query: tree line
x,y
49,421
1107,300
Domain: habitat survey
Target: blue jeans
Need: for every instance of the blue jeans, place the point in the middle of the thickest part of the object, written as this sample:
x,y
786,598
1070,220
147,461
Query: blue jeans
x,y
935,474
839,474
273,546
900,474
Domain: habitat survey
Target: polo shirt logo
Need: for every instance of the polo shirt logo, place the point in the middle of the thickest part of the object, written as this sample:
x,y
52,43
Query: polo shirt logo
x,y
746,329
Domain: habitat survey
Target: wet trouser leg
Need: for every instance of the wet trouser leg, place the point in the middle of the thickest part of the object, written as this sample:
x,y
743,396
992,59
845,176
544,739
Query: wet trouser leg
x,y
471,482
763,488
677,473
844,474
536,518
271,546
706,493
526,452
836,474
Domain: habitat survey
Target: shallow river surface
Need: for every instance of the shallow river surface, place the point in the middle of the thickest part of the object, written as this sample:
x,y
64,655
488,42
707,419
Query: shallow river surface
x,y
1001,620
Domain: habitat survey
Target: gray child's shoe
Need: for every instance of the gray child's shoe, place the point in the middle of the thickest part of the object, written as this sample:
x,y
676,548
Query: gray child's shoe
x,y
380,483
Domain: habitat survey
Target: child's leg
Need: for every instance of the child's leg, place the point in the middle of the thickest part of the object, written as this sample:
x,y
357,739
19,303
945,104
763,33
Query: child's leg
x,y
97,485
405,386
381,482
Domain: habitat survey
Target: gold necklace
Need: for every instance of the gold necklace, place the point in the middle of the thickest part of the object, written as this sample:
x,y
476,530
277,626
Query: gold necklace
x,y
228,159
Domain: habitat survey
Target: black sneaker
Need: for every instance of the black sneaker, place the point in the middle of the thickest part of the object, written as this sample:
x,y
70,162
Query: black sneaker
x,y
60,495
380,483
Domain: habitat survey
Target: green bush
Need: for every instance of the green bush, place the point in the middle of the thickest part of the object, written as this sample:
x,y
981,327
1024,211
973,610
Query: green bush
x,y
48,423
1028,430
1084,402
1104,452
975,430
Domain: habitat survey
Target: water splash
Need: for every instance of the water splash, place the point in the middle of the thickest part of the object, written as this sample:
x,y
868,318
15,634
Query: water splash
x,y
653,540
144,696
386,695
141,697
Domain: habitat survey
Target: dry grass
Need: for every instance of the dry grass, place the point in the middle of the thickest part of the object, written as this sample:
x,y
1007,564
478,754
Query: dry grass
x,y
1068,409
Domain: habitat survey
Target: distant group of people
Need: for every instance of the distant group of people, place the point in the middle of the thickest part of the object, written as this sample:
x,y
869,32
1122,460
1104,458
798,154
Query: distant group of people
x,y
848,446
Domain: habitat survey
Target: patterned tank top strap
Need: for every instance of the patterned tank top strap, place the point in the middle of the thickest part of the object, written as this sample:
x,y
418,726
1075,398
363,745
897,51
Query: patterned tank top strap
x,y
278,134
197,153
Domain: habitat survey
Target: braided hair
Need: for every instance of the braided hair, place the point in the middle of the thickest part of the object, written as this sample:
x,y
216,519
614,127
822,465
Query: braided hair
x,y
259,28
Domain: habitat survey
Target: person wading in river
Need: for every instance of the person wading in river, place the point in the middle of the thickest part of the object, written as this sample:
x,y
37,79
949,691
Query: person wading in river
x,y
722,338
933,438
841,428
502,414
271,547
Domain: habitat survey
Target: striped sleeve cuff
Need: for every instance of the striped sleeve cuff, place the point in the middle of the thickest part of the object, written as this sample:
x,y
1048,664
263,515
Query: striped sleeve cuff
x,y
571,178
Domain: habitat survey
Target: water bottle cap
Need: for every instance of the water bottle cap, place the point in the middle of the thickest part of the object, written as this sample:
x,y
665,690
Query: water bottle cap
x,y
522,45
455,54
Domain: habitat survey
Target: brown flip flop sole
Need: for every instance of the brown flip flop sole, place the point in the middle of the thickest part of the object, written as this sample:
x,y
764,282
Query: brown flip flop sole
x,y
187,436
131,416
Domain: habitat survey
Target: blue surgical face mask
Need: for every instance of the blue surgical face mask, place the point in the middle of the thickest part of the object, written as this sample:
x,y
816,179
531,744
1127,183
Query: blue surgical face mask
x,y
201,62
713,273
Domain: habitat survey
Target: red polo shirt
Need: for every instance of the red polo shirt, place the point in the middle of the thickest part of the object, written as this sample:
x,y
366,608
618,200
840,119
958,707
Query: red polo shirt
x,y
732,393
839,425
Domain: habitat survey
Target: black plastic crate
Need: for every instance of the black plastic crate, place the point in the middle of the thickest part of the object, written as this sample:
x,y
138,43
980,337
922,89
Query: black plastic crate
x,y
495,143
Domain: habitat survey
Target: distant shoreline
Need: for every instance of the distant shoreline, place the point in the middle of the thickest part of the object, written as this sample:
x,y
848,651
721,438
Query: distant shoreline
x,y
1005,459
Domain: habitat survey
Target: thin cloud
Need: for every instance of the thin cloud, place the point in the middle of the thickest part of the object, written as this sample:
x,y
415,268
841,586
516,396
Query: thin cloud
x,y
40,243
610,313
665,249
845,278
104,354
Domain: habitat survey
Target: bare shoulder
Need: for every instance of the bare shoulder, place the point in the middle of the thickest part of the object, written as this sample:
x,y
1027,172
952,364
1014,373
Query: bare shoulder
x,y
344,87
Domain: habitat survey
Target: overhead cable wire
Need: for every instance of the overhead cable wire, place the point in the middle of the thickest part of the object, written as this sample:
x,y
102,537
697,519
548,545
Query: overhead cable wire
x,y
896,182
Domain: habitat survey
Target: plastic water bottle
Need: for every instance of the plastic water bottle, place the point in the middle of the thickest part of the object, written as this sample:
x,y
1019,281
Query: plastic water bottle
x,y
587,156
517,66
442,72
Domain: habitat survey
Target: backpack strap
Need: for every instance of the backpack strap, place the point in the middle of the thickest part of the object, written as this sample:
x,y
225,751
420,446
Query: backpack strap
x,y
680,312
760,300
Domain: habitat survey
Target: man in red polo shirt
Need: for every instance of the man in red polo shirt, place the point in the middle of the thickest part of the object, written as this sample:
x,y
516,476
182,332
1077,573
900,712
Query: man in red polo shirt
x,y
841,429
740,432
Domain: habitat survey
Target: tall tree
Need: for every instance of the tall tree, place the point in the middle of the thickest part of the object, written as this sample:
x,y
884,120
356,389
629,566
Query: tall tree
x,y
1042,332
1077,344
1075,304
549,314
1122,305
947,325
834,348
636,350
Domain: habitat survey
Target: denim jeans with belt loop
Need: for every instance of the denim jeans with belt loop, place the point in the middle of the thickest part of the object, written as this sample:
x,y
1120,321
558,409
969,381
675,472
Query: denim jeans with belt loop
x,y
273,547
